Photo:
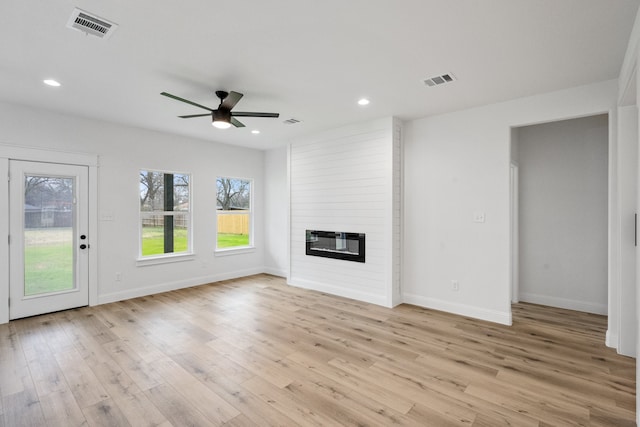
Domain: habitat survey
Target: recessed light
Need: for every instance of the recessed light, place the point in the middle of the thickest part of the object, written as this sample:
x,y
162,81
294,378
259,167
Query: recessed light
x,y
255,131
363,101
51,82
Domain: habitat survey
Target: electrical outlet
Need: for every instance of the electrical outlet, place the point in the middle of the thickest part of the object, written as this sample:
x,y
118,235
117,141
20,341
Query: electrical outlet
x,y
455,285
118,277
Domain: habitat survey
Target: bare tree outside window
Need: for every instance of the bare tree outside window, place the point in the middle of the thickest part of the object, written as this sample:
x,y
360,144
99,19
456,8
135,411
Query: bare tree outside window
x,y
48,201
233,193
47,190
151,190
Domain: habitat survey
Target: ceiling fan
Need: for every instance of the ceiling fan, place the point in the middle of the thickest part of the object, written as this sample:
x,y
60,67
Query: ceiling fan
x,y
223,117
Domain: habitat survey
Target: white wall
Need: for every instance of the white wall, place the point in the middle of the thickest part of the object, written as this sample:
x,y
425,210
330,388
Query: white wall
x,y
276,218
628,94
123,151
627,202
343,180
457,164
563,213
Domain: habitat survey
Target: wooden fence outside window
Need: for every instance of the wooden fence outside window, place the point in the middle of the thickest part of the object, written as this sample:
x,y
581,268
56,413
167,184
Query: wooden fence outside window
x,y
233,222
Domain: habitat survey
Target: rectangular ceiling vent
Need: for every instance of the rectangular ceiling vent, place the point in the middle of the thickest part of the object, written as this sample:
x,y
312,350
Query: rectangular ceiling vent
x,y
439,80
91,24
291,121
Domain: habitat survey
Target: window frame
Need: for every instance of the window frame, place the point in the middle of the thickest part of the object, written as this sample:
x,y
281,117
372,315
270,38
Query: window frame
x,y
233,250
166,257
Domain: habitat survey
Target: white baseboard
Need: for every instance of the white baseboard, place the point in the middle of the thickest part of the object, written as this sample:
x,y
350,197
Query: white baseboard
x,y
275,272
611,340
172,286
569,304
495,316
340,291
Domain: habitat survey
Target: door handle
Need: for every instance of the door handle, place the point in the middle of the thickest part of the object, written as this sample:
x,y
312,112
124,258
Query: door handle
x,y
83,246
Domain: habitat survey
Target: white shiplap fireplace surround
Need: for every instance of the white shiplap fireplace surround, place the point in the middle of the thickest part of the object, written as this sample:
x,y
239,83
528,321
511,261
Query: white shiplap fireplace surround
x,y
349,180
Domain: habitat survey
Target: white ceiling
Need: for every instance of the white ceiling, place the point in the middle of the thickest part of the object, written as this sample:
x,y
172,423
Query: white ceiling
x,y
309,60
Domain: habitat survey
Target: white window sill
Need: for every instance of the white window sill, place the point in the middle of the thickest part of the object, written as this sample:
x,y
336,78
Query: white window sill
x,y
165,259
235,251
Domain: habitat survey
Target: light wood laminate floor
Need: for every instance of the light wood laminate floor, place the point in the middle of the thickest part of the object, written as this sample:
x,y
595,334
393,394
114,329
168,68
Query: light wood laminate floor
x,y
255,352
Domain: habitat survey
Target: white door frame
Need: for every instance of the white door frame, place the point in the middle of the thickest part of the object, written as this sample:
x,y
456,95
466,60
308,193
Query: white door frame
x,y
13,152
515,242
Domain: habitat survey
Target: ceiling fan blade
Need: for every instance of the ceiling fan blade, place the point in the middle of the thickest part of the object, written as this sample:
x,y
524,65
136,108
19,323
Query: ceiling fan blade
x,y
231,100
177,98
195,115
237,123
247,114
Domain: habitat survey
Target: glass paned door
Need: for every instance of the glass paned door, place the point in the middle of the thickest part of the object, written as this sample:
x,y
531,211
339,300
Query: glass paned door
x,y
48,234
49,244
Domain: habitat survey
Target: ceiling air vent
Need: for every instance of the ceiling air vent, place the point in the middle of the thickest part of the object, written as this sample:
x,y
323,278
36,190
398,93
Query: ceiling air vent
x,y
439,80
91,24
291,121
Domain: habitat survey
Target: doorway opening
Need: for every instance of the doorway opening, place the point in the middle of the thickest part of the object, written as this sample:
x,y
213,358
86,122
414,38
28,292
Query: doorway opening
x,y
560,214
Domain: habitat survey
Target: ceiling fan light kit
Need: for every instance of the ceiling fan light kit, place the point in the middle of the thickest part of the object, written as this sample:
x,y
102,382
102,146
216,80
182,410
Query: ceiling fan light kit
x,y
222,117
221,124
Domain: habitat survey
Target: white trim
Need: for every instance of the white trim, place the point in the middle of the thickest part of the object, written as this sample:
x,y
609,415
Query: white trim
x,y
340,291
394,288
627,185
4,247
611,339
235,250
33,154
93,234
172,286
569,304
502,317
165,259
514,231
595,112
613,230
288,275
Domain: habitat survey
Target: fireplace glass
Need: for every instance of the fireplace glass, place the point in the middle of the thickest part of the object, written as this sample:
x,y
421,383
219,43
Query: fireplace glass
x,y
336,244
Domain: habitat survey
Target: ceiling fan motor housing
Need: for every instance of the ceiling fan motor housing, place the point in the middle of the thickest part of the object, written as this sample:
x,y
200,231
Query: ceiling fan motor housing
x,y
221,115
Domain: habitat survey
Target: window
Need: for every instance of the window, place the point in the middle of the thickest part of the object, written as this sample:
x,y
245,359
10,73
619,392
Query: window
x,y
233,213
165,213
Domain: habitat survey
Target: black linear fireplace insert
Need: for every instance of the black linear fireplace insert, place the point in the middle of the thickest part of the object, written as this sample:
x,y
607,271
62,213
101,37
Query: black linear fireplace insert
x,y
336,244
